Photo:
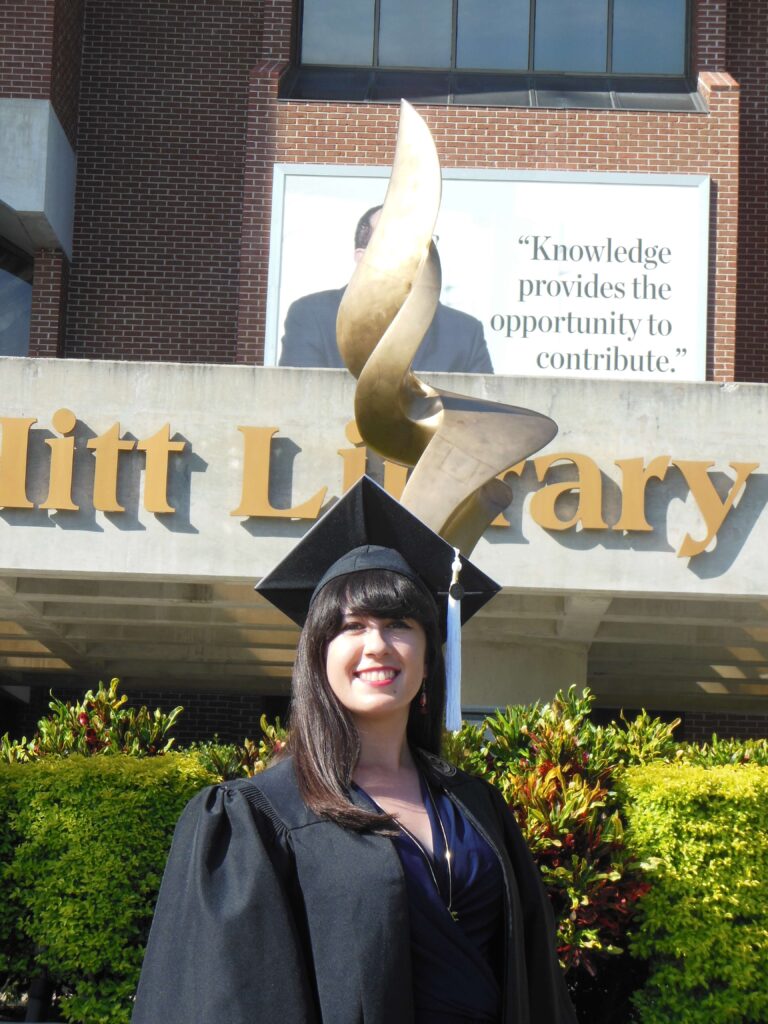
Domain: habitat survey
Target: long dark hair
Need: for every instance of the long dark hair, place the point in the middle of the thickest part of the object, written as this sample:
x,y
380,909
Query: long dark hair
x,y
323,736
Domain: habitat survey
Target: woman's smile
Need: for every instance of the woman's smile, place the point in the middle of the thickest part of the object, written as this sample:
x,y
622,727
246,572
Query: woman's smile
x,y
377,676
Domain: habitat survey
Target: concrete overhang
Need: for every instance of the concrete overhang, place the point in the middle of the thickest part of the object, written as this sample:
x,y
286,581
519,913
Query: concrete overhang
x,y
37,177
165,598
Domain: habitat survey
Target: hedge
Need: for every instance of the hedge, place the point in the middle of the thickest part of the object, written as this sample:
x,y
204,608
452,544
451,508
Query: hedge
x,y
81,880
84,836
702,835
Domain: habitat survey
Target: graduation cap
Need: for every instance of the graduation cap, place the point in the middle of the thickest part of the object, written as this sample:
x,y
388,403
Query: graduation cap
x,y
368,529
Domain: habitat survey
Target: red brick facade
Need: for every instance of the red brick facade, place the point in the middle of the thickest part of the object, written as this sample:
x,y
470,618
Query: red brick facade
x,y
234,716
747,58
230,716
179,126
49,304
161,150
40,48
710,33
699,726
26,49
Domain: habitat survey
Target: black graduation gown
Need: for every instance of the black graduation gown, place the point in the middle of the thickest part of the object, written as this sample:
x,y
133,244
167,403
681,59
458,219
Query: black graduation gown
x,y
267,912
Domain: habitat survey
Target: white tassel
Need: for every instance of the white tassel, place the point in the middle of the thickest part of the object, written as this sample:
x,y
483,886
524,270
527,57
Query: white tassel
x,y
453,650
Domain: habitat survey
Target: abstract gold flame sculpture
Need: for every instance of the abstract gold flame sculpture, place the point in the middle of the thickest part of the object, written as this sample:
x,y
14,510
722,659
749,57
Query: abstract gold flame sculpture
x,y
457,444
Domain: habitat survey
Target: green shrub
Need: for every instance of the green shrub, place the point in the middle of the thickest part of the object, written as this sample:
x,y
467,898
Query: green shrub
x,y
15,948
99,724
238,760
726,751
92,835
558,772
83,842
703,925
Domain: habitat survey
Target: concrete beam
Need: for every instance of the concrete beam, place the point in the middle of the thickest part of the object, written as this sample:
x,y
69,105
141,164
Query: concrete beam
x,y
211,673
210,615
746,613
37,177
194,653
676,669
583,616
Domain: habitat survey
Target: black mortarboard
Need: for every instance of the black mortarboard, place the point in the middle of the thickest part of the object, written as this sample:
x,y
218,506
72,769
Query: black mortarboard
x,y
368,529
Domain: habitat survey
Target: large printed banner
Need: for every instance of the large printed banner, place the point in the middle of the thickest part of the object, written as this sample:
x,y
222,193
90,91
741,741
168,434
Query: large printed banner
x,y
558,274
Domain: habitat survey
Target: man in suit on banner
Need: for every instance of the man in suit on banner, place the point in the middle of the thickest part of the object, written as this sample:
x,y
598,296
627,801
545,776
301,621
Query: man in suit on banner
x,y
453,343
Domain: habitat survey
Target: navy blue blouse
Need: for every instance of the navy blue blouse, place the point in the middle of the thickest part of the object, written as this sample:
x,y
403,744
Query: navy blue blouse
x,y
456,959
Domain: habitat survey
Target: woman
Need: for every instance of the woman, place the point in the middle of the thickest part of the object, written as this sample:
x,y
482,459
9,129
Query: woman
x,y
361,878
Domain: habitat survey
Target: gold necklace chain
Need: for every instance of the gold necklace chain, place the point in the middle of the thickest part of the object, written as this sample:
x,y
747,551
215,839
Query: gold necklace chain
x,y
428,859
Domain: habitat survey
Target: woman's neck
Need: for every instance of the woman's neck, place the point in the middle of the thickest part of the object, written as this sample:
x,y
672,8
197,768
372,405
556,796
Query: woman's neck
x,y
388,774
384,750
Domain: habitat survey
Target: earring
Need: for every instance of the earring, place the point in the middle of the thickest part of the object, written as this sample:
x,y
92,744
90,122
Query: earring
x,y
423,698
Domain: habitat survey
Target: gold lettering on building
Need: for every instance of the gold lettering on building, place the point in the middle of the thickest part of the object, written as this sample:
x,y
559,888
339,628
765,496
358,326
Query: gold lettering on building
x,y
13,461
395,478
158,449
107,448
712,507
635,477
254,500
62,463
355,459
588,485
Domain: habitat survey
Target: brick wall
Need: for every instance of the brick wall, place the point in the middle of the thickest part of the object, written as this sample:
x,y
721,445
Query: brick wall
x,y
65,63
747,49
26,47
40,59
699,726
261,155
40,55
710,27
695,726
163,108
279,30
230,716
49,296
180,126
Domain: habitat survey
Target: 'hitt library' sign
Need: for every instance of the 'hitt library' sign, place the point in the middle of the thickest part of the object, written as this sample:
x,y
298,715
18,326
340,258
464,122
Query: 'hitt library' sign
x,y
39,469
587,275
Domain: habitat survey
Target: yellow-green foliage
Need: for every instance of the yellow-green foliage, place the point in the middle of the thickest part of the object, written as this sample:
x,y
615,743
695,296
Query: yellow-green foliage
x,y
703,835
98,724
91,836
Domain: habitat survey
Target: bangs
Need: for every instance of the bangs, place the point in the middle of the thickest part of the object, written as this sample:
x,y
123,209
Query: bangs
x,y
375,592
383,594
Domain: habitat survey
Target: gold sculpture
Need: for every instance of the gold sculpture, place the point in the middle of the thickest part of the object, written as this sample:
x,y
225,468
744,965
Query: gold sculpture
x,y
457,444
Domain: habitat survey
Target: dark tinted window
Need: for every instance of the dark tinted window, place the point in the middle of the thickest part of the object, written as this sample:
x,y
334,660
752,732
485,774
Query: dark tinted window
x,y
649,37
577,37
571,35
337,32
492,34
415,33
15,301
